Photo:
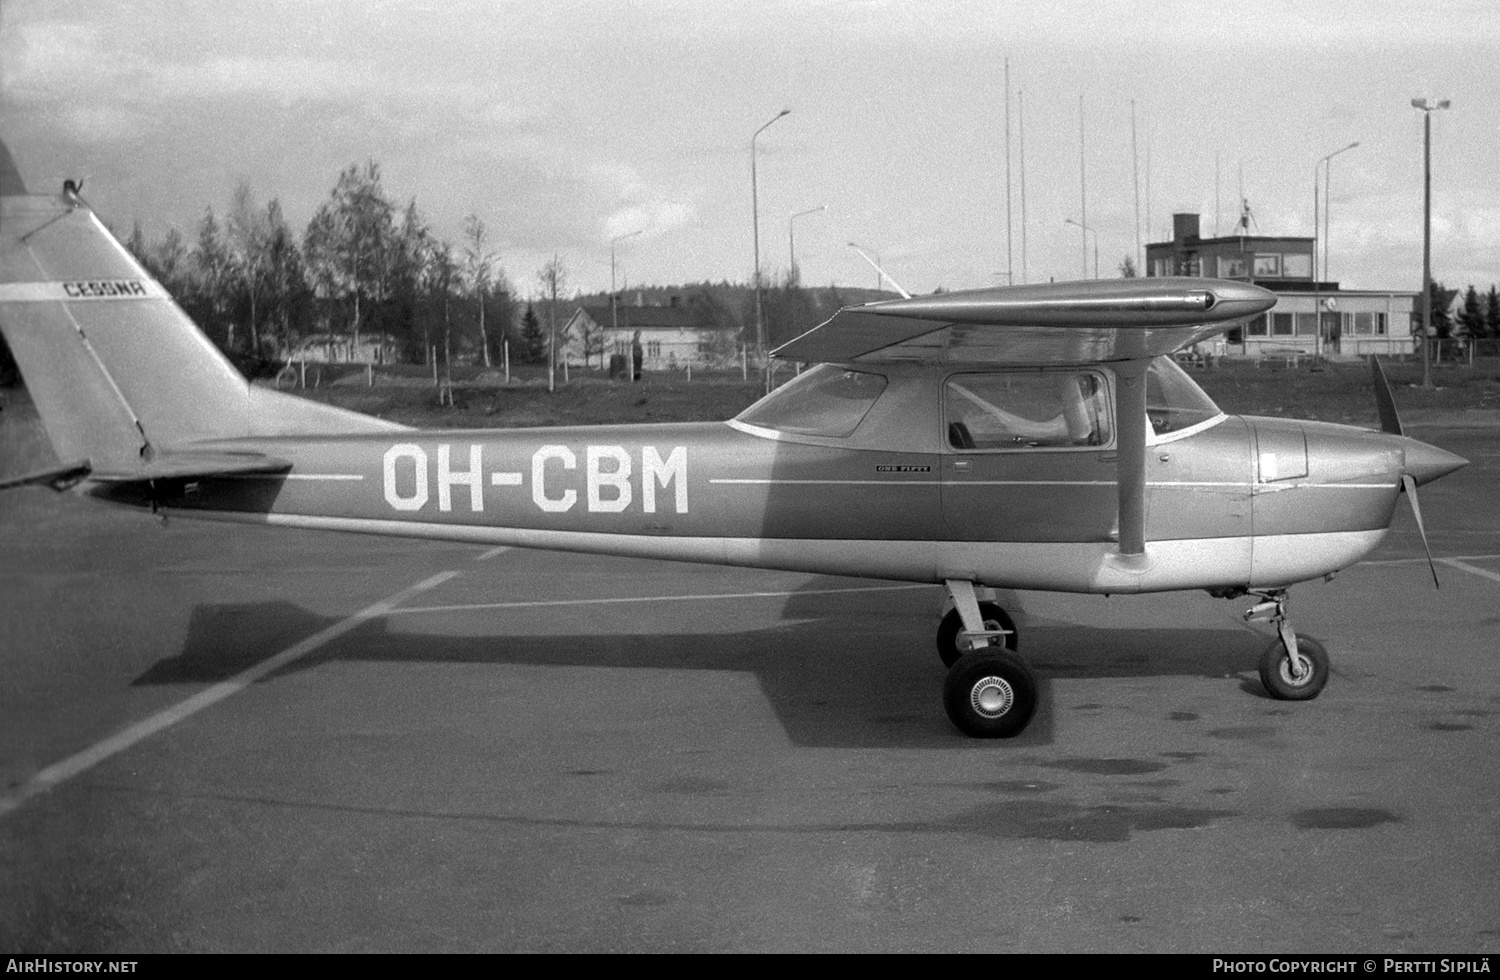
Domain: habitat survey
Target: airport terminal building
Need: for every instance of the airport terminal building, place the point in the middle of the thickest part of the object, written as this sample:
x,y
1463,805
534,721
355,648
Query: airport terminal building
x,y
1355,322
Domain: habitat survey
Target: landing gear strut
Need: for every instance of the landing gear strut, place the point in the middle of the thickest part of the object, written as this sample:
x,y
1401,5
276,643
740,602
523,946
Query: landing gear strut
x,y
990,692
1292,668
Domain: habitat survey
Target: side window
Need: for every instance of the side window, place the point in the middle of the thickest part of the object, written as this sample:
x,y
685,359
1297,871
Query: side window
x,y
1027,410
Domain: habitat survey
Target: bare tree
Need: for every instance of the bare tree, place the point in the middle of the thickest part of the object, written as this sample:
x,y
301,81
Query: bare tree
x,y
211,262
247,234
553,278
478,271
350,242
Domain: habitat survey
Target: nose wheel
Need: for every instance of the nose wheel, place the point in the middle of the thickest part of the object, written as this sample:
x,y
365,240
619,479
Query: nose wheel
x,y
990,692
1293,668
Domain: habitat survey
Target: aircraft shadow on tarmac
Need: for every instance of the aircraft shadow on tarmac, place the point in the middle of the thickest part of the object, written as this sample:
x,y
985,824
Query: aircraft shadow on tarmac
x,y
844,671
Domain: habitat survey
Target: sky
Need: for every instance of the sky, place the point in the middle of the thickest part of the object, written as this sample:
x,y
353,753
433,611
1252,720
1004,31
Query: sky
x,y
568,124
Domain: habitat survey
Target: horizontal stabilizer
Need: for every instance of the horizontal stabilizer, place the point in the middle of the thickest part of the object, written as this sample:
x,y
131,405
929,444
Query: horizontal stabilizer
x,y
57,477
193,464
1051,323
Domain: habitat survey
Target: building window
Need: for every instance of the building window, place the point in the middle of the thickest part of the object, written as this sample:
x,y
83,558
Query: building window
x,y
1231,267
1258,327
1295,266
1161,267
1369,323
1268,265
1281,324
1306,325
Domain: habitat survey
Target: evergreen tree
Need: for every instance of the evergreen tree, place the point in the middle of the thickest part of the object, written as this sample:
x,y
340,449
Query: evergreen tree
x,y
1492,313
1441,299
533,346
1471,317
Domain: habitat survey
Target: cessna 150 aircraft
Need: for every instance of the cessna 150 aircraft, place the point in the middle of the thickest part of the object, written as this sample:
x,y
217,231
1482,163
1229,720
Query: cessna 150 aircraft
x,y
1034,437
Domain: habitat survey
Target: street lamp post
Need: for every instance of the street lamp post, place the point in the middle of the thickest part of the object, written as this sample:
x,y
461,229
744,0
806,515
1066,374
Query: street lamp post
x,y
614,301
1428,109
791,235
612,243
760,326
1327,193
1088,231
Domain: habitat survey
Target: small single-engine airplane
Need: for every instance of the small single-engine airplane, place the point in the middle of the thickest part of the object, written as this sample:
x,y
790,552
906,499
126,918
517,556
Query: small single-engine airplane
x,y
1033,437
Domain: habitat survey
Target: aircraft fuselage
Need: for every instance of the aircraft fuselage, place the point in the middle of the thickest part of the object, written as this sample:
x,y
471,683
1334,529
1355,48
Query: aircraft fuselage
x,y
1232,502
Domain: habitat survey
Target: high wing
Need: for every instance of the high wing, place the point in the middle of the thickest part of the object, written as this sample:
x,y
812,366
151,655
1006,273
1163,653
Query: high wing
x,y
1126,321
1051,323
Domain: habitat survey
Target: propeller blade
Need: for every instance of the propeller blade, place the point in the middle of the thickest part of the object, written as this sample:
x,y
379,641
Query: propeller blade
x,y
1384,401
1411,494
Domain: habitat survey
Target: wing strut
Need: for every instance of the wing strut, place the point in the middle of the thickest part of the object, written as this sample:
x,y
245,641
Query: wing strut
x,y
1130,419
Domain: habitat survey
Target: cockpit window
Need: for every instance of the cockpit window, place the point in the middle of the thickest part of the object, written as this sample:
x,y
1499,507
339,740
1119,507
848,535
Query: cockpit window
x,y
825,401
1027,410
1173,400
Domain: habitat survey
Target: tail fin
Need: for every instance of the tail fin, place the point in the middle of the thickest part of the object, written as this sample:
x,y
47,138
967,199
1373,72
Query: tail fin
x,y
118,372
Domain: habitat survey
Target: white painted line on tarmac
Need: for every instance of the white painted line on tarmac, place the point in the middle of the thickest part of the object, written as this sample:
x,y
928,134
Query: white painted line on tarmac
x,y
498,550
411,610
1471,569
60,772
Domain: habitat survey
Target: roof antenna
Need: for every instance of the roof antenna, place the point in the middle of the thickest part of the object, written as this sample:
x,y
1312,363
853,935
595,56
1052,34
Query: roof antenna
x,y
1247,218
876,266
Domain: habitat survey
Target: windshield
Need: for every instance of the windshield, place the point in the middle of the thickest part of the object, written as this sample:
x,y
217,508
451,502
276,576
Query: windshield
x,y
825,401
1173,400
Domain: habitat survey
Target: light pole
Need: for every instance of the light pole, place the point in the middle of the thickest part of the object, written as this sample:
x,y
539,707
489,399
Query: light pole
x,y
1088,231
1327,193
614,301
1328,198
1428,109
612,243
1083,202
791,235
760,326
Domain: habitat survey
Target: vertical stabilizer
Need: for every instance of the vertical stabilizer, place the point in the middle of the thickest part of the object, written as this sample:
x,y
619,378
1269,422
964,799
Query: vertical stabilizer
x,y
118,372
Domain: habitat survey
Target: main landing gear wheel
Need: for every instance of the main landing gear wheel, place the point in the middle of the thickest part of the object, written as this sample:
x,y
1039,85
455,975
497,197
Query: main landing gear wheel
x,y
995,618
990,694
1301,681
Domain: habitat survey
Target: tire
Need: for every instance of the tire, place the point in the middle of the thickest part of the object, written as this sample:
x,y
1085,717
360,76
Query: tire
x,y
990,694
994,618
1276,670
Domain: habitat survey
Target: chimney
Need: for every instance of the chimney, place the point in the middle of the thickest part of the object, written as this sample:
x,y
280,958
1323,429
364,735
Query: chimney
x,y
1185,227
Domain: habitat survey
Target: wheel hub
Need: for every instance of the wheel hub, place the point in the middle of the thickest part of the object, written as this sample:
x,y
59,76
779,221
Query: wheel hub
x,y
1296,671
991,696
